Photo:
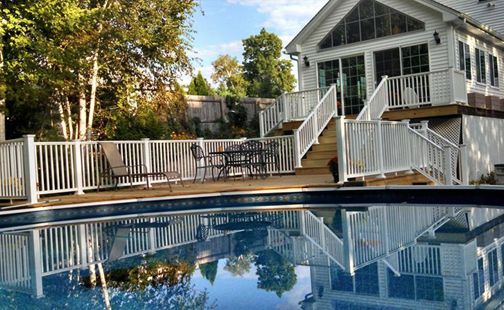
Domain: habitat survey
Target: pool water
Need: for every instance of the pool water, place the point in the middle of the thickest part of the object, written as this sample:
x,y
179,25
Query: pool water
x,y
323,257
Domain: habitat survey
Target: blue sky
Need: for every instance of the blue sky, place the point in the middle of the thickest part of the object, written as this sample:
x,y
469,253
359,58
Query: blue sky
x,y
220,25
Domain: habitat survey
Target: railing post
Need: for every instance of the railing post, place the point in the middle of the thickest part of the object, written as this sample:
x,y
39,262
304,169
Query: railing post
x,y
315,128
322,233
347,242
341,147
30,168
201,143
147,158
261,124
78,167
286,107
424,128
335,96
297,149
380,150
464,164
408,147
447,161
451,76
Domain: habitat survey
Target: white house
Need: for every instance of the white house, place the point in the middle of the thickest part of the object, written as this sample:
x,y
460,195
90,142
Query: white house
x,y
442,62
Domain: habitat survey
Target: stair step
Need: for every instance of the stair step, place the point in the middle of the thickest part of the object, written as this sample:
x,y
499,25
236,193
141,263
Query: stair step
x,y
321,154
329,133
327,139
325,147
314,163
313,171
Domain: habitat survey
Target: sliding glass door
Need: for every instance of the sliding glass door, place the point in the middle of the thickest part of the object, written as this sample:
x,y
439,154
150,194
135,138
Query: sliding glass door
x,y
349,73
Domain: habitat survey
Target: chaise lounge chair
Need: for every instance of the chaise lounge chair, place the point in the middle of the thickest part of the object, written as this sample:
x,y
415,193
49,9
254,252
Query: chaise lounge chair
x,y
118,169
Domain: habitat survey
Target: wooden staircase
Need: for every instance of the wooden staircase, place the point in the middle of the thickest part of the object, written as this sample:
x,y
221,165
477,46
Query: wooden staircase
x,y
315,161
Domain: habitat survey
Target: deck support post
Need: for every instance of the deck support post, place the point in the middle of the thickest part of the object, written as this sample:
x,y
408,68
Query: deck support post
x,y
147,159
347,243
30,168
464,164
78,167
341,147
447,161
380,151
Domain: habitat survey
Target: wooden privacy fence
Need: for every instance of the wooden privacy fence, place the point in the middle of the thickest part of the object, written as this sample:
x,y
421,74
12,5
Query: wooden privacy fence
x,y
29,169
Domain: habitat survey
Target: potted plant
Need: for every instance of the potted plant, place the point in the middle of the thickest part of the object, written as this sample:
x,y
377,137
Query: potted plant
x,y
333,167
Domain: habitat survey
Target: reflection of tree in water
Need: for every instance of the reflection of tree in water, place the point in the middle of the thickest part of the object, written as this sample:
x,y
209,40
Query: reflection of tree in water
x,y
154,284
239,265
275,274
209,271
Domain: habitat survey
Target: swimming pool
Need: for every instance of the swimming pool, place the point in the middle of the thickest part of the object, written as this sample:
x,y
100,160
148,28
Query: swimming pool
x,y
275,250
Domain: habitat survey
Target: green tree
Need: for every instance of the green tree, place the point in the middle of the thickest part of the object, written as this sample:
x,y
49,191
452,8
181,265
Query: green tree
x,y
74,51
199,86
239,265
275,274
266,73
228,74
209,271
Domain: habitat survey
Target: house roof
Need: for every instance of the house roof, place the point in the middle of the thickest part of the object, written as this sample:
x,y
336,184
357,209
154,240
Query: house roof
x,y
448,11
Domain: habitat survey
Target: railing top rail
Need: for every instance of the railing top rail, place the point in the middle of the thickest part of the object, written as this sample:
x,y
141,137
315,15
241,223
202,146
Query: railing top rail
x,y
12,141
321,101
364,110
376,122
425,139
417,74
307,90
442,138
271,138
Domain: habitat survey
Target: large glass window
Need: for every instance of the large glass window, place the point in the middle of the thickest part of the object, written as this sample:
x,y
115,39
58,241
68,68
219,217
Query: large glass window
x,y
465,59
493,271
480,66
479,280
364,282
494,70
351,76
415,287
415,59
401,287
370,20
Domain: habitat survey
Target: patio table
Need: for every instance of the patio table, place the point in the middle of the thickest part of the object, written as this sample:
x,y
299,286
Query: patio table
x,y
241,159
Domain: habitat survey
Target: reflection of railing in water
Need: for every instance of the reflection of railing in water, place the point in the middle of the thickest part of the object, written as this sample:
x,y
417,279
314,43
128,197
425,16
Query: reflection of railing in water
x,y
14,262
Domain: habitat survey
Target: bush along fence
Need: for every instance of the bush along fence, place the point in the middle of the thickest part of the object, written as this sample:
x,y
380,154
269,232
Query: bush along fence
x,y
29,169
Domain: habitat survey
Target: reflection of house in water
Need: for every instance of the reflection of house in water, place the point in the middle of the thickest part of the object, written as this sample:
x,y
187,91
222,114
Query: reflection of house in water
x,y
392,256
461,266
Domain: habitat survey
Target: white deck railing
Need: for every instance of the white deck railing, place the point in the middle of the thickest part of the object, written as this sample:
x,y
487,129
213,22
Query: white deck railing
x,y
308,132
62,167
289,106
415,90
374,148
377,103
12,178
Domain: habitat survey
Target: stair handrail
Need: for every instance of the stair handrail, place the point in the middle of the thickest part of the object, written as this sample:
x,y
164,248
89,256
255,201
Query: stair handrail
x,y
308,132
456,151
380,98
271,116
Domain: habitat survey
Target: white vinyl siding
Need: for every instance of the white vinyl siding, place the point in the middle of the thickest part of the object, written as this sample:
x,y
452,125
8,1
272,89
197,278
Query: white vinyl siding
x,y
438,53
473,85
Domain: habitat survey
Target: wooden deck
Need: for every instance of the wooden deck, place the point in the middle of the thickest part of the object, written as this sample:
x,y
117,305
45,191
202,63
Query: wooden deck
x,y
439,111
210,187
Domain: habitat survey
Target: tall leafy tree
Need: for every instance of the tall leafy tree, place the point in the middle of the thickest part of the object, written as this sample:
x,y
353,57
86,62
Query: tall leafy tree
x,y
266,73
79,50
199,86
228,74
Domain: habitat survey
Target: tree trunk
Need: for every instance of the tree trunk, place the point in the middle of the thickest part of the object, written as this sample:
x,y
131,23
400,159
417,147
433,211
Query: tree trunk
x,y
92,97
63,123
2,96
69,119
82,114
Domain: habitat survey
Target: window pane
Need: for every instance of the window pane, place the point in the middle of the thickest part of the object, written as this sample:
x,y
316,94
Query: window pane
x,y
429,288
366,280
340,280
461,56
383,26
381,9
414,24
368,29
468,66
353,32
366,9
353,16
401,287
398,22
339,35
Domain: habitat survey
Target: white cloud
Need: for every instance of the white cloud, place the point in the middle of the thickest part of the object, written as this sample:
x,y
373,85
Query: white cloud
x,y
285,17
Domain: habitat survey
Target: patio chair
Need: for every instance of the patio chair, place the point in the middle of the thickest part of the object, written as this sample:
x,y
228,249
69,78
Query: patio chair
x,y
204,162
254,157
272,155
237,158
118,169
